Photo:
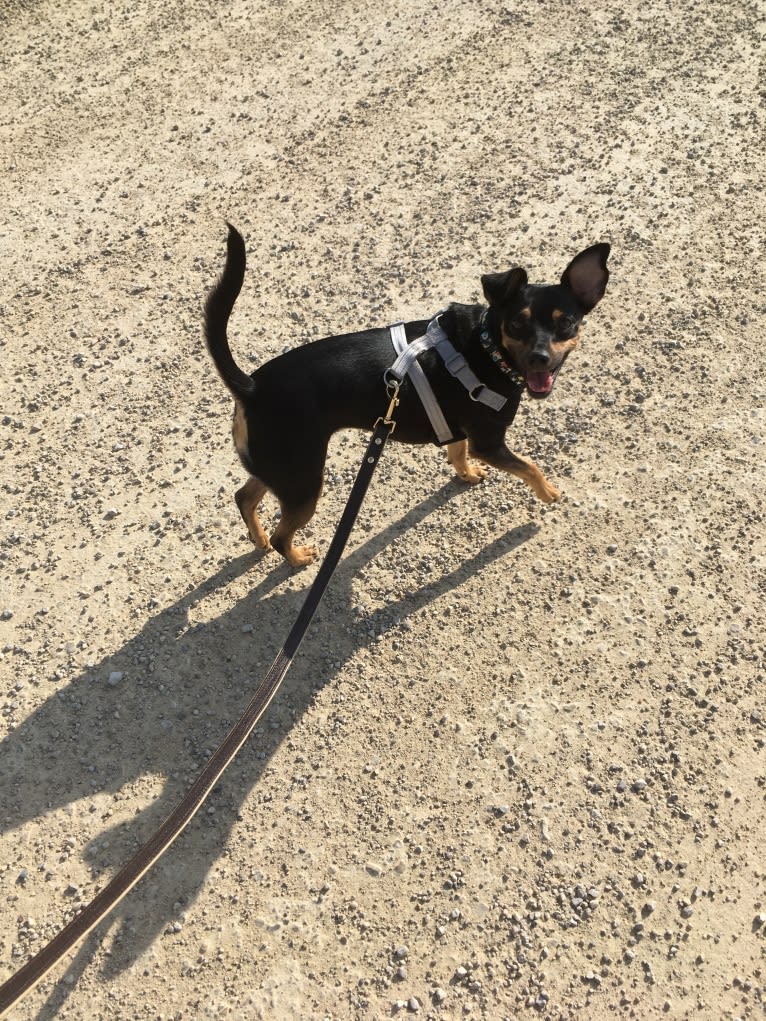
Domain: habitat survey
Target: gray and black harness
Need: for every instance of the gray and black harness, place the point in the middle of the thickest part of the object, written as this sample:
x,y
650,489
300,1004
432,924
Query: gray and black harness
x,y
407,364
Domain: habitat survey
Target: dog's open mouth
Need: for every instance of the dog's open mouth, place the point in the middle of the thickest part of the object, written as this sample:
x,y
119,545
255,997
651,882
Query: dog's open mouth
x,y
540,383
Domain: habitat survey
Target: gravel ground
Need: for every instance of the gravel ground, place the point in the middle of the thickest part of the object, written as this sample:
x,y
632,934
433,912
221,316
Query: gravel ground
x,y
518,768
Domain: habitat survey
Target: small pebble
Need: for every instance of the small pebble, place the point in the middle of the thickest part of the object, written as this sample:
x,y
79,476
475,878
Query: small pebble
x,y
115,677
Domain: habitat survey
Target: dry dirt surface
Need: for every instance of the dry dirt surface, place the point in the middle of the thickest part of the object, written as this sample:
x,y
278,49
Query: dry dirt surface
x,y
517,769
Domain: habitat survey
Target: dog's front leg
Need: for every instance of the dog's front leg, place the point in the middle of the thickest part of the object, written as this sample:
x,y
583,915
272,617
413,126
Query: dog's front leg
x,y
457,455
504,459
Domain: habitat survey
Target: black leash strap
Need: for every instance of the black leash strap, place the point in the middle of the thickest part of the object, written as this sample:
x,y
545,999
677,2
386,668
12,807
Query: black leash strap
x,y
35,969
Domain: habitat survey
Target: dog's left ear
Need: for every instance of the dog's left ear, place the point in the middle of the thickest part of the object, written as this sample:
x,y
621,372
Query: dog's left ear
x,y
500,287
586,275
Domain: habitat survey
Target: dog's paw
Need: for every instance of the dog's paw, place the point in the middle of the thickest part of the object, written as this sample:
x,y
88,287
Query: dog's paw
x,y
301,556
261,542
473,474
548,493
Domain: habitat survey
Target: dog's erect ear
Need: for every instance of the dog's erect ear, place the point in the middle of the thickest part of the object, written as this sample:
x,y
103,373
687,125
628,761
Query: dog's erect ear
x,y
586,275
500,287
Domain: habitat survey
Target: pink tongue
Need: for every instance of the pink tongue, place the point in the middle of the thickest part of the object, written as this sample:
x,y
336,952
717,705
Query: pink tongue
x,y
539,382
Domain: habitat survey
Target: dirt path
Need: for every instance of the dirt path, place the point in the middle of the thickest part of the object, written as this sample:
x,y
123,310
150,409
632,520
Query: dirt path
x,y
518,768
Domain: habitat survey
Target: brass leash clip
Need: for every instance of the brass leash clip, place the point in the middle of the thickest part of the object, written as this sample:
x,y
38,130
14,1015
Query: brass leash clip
x,y
392,389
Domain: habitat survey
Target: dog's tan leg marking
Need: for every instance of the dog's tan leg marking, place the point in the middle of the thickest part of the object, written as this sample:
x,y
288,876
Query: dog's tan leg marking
x,y
282,537
248,498
457,455
525,470
239,429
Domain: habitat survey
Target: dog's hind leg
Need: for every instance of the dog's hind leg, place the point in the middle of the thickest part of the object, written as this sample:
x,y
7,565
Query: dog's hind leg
x,y
248,498
292,519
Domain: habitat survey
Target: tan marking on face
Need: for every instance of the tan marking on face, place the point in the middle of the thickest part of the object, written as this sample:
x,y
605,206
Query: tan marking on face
x,y
519,351
563,347
515,348
556,314
239,430
527,312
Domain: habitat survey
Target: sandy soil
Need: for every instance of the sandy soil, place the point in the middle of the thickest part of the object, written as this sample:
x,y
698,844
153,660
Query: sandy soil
x,y
518,767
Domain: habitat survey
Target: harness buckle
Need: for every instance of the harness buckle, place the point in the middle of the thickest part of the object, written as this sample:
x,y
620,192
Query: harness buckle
x,y
475,394
455,363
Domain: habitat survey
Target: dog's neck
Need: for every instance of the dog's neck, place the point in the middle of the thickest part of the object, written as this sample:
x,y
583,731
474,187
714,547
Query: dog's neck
x,y
495,351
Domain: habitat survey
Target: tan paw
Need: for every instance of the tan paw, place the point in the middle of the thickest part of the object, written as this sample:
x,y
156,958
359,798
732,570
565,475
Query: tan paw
x,y
473,474
261,541
301,556
548,493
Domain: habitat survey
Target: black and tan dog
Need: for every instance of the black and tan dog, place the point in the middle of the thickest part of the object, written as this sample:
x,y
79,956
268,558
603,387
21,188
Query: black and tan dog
x,y
287,410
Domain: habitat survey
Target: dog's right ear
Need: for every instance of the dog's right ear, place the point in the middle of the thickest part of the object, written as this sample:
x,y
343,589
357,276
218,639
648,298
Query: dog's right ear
x,y
499,288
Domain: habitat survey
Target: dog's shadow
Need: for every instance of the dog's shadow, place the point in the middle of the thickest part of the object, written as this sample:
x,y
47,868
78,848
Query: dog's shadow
x,y
57,757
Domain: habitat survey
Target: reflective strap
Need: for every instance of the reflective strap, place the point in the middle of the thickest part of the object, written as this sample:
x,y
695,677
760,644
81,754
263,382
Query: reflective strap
x,y
407,364
458,367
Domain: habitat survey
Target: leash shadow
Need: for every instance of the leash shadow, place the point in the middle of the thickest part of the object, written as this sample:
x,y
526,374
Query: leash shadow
x,y
169,734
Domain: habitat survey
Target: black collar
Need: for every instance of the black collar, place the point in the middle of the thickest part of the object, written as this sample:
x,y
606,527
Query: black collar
x,y
495,353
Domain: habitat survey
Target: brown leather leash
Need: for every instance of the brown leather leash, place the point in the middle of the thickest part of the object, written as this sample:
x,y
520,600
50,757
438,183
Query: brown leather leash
x,y
27,977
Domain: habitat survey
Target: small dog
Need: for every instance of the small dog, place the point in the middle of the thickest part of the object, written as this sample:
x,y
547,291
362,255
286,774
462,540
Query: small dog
x,y
287,410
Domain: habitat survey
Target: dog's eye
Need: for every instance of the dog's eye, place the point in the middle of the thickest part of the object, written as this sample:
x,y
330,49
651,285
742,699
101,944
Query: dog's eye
x,y
517,324
564,325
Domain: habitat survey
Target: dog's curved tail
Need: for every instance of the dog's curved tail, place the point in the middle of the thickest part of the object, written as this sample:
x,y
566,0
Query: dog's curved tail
x,y
218,308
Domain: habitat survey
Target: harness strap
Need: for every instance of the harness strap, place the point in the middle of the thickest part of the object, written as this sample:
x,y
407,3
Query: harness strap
x,y
458,367
407,364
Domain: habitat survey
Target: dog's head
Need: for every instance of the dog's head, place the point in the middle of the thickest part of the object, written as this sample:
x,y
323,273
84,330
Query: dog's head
x,y
539,324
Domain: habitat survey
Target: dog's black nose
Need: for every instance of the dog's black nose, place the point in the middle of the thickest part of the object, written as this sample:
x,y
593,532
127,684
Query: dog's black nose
x,y
539,357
